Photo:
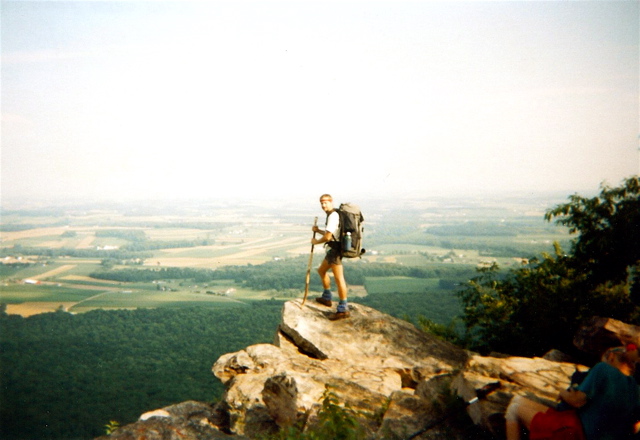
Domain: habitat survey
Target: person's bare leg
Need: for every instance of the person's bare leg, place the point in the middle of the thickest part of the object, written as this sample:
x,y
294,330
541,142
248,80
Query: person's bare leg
x,y
323,271
341,284
326,298
521,412
343,309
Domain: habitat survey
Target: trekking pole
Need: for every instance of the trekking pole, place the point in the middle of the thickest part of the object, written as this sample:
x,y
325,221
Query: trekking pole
x,y
306,287
480,394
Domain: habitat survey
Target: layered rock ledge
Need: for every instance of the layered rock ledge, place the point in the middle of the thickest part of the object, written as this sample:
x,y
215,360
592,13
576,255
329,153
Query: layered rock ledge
x,y
394,376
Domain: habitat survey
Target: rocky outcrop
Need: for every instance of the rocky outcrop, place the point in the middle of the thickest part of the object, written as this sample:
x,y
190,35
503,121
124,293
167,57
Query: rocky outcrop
x,y
385,369
184,421
395,378
362,360
598,334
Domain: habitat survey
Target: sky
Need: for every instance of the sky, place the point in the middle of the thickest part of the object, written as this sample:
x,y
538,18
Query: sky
x,y
147,100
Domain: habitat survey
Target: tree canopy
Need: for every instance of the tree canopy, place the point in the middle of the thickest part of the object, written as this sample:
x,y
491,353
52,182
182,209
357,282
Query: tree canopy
x,y
65,376
608,228
539,306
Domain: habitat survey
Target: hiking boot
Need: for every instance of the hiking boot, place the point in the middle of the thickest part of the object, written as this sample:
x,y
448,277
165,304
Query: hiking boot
x,y
324,301
339,315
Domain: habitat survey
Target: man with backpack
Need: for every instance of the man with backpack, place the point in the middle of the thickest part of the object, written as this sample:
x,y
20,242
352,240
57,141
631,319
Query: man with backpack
x,y
333,260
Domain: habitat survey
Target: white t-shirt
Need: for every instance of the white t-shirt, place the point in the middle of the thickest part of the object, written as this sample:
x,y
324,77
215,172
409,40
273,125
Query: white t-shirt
x,y
333,225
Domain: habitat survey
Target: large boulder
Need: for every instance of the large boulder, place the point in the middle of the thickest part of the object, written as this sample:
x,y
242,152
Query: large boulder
x,y
383,368
598,334
362,360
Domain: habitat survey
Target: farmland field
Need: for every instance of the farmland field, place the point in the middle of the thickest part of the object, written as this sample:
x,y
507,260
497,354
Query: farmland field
x,y
50,259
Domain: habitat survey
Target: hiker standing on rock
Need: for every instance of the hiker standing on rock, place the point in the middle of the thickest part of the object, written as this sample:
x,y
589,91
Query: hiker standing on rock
x,y
332,260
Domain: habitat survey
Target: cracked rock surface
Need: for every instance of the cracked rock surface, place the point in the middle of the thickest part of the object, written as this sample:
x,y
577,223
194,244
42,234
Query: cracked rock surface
x,y
380,366
394,377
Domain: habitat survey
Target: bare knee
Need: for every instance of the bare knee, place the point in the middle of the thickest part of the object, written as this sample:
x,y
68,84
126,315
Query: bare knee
x,y
323,268
511,415
523,410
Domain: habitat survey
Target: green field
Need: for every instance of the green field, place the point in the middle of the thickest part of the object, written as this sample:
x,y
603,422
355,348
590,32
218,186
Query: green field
x,y
387,285
63,247
116,300
21,293
83,294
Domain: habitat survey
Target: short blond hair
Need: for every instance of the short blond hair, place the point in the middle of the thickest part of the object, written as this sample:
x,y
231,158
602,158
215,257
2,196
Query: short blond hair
x,y
621,354
326,196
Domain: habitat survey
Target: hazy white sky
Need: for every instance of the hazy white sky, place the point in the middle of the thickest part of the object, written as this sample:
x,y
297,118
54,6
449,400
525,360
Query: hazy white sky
x,y
147,99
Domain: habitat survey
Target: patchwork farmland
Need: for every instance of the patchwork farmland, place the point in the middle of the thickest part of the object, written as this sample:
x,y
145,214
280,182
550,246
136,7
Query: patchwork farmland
x,y
50,259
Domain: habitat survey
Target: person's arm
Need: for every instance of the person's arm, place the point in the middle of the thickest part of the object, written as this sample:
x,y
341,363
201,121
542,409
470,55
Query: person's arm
x,y
574,398
326,236
591,387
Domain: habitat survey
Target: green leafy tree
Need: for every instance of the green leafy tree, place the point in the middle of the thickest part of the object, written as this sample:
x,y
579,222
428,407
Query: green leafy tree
x,y
608,228
540,305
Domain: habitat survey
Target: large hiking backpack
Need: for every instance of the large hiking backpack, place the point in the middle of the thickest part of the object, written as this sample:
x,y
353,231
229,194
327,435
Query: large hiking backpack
x,y
351,230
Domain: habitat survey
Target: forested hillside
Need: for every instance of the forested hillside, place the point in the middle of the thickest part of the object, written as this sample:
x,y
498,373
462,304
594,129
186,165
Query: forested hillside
x,y
66,376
